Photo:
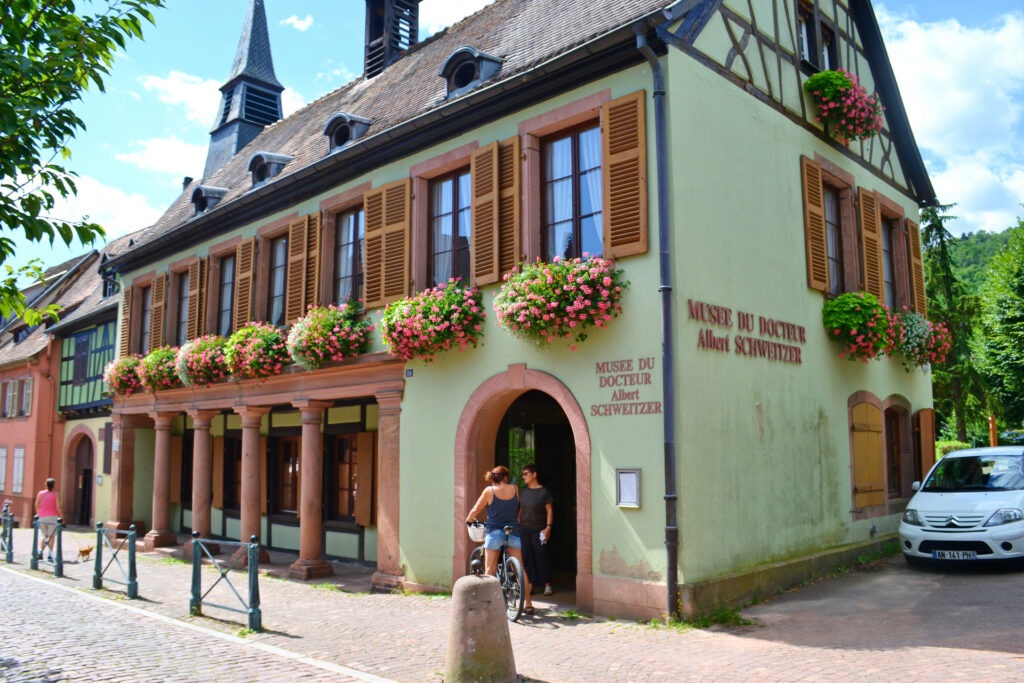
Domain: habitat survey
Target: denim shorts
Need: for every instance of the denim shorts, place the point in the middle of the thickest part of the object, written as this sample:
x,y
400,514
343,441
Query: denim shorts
x,y
496,538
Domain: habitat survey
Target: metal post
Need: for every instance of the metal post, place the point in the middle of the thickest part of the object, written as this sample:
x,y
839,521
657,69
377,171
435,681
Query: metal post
x,y
34,562
133,582
97,571
255,617
58,565
8,534
195,605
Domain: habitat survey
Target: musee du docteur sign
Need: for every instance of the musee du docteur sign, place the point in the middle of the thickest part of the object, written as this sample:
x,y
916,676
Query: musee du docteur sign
x,y
758,336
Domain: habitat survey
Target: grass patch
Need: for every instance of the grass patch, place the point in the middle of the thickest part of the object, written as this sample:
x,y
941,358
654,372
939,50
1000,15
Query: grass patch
x,y
720,616
887,550
571,615
243,632
172,561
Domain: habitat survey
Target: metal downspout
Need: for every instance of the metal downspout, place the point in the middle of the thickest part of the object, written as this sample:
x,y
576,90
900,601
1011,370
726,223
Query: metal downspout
x,y
667,343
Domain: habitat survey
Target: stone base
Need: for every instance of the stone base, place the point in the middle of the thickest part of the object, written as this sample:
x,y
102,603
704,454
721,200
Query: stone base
x,y
386,583
240,558
304,570
159,539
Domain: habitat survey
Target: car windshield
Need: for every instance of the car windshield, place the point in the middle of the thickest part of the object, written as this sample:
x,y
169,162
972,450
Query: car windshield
x,y
977,473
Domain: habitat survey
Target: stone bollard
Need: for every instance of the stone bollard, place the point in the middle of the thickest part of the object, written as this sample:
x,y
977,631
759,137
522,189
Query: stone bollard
x,y
479,646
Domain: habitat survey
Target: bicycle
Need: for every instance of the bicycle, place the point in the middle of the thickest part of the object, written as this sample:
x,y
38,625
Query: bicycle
x,y
509,572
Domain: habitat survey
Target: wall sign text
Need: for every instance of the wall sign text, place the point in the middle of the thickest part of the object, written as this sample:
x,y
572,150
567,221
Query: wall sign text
x,y
627,378
759,336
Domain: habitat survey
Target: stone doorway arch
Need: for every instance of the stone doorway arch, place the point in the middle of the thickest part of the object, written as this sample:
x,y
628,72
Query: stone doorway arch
x,y
475,450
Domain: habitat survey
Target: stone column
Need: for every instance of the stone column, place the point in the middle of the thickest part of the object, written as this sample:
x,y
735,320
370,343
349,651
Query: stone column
x,y
122,469
252,479
389,574
311,563
202,478
161,534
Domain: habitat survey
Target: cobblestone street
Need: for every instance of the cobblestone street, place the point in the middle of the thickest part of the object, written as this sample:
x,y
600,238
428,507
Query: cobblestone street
x,y
888,623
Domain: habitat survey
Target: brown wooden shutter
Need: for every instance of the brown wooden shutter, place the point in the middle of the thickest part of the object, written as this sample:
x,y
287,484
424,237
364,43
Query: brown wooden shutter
x,y
868,457
916,268
314,234
295,289
871,243
924,429
156,320
815,240
484,251
365,483
373,249
244,261
386,255
509,173
624,151
193,325
124,334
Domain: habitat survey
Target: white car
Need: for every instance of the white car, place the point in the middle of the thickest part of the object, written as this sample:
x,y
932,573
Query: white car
x,y
970,507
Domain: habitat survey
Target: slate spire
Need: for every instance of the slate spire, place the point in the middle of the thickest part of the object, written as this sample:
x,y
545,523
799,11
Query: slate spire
x,y
251,96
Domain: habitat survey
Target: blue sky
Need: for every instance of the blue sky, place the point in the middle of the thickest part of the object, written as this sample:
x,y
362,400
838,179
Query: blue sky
x,y
959,63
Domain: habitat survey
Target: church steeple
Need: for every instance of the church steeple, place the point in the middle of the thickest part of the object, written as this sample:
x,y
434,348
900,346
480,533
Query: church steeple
x,y
251,96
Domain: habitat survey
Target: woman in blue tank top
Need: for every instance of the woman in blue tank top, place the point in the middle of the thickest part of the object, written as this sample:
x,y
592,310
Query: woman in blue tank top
x,y
501,499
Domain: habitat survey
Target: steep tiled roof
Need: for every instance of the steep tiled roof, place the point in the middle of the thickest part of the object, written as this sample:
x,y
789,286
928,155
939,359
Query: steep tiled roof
x,y
523,33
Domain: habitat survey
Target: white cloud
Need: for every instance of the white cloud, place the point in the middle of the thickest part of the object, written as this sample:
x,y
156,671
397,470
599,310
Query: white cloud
x,y
438,14
117,211
291,102
298,24
169,156
198,97
334,76
963,87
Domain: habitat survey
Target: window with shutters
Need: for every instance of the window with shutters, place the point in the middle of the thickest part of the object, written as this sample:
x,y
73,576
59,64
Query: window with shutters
x,y
145,319
816,38
386,246
572,194
11,398
225,294
834,239
18,475
348,256
830,227
277,280
181,308
450,227
888,263
80,364
3,468
25,397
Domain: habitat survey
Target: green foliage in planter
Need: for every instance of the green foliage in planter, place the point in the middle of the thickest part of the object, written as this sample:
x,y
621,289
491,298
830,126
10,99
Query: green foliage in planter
x,y
328,333
122,375
860,323
256,351
433,321
202,361
845,108
158,369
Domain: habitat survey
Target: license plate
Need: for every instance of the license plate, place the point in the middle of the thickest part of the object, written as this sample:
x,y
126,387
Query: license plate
x,y
954,555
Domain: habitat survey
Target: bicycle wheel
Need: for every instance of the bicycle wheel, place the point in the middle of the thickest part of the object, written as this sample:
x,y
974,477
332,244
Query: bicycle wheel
x,y
513,587
478,554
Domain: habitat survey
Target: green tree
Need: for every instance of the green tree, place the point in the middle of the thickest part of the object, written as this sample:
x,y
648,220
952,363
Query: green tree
x,y
958,386
1000,345
49,56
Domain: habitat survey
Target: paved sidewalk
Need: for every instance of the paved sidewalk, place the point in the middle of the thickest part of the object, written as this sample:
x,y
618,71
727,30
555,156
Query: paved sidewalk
x,y
404,637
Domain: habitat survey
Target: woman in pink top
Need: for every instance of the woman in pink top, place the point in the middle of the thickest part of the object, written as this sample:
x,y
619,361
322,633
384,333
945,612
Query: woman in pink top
x,y
48,510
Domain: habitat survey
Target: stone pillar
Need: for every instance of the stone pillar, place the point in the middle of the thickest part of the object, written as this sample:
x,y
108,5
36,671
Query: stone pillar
x,y
161,534
389,574
252,478
122,469
202,478
311,563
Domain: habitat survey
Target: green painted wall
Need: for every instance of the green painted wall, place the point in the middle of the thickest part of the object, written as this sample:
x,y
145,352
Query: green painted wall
x,y
142,495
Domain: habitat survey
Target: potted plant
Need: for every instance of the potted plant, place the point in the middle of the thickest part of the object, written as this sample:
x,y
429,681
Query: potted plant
x,y
543,302
122,375
158,370
202,361
917,341
256,351
328,333
433,321
860,323
847,111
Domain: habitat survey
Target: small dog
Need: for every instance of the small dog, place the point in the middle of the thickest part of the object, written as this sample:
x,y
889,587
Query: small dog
x,y
84,553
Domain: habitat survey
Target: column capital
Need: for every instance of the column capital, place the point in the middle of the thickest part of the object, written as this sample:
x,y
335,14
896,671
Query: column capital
x,y
163,420
390,401
129,420
307,405
251,415
201,418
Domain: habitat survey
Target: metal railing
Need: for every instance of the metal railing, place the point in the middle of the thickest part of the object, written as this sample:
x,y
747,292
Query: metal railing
x,y
7,535
125,538
250,607
57,531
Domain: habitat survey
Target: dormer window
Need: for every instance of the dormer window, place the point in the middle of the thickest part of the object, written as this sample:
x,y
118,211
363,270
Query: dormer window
x,y
205,197
467,68
342,128
263,166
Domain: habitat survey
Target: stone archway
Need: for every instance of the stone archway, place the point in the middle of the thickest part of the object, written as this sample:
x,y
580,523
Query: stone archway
x,y
79,489
474,450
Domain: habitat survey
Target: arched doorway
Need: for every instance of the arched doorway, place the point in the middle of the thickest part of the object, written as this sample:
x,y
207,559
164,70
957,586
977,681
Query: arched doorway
x,y
483,417
536,431
83,482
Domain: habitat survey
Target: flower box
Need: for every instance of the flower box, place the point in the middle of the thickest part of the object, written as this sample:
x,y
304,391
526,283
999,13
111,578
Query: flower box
x,y
122,375
436,320
917,341
256,351
158,371
202,361
860,323
846,110
328,334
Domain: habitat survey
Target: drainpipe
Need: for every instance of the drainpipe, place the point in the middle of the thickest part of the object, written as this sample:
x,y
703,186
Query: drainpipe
x,y
667,344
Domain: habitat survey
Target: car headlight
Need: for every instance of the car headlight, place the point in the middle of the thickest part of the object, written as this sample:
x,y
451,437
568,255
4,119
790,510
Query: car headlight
x,y
1005,516
910,517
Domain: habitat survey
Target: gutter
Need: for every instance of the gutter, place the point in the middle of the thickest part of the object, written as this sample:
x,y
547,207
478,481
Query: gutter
x,y
604,54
